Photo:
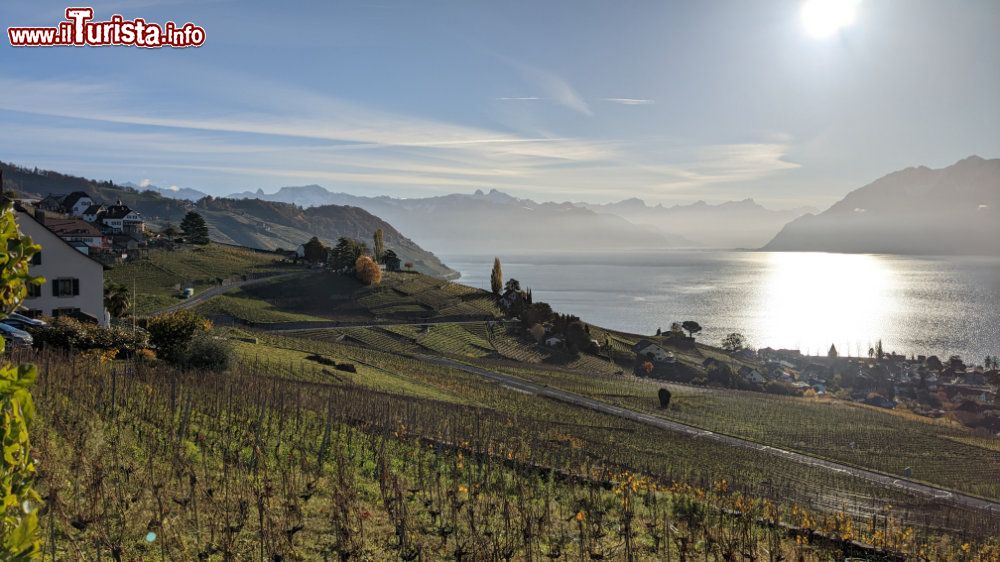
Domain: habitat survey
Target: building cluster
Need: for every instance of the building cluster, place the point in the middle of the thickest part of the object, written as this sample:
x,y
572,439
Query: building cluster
x,y
105,232
926,385
79,236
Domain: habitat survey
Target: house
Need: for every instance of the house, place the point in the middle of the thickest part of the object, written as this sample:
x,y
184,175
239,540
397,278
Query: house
x,y
752,375
553,341
119,218
93,212
51,203
78,230
74,282
76,203
653,352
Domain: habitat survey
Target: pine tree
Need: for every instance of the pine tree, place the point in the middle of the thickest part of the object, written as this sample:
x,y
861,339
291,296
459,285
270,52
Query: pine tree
x,y
496,278
195,228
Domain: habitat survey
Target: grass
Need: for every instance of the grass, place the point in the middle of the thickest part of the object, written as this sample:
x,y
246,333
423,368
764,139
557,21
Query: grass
x,y
158,278
240,305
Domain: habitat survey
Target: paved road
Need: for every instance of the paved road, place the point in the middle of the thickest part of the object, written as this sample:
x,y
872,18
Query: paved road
x,y
222,289
522,385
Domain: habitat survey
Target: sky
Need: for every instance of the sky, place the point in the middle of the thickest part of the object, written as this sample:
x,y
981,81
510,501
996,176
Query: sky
x,y
572,100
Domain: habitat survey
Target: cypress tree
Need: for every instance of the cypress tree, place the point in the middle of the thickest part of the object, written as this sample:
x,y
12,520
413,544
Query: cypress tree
x,y
496,278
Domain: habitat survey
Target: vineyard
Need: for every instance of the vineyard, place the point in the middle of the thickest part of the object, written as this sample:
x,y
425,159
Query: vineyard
x,y
140,462
845,432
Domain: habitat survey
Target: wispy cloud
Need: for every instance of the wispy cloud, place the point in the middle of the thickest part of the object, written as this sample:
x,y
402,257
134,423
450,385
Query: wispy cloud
x,y
521,98
553,86
630,101
106,130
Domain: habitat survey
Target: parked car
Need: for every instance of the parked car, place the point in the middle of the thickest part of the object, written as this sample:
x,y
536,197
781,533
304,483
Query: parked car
x,y
22,322
15,337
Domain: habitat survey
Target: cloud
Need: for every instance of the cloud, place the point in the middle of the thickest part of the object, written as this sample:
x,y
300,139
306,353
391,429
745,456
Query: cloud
x,y
321,138
630,101
553,86
146,183
523,98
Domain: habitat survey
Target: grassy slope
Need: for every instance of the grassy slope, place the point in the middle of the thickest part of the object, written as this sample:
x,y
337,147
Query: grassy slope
x,y
156,278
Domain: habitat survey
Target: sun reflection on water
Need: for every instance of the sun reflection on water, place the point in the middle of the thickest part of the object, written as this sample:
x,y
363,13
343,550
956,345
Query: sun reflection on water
x,y
808,299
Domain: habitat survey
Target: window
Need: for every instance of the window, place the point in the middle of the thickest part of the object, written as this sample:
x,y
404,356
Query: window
x,y
57,312
65,287
36,259
34,291
32,313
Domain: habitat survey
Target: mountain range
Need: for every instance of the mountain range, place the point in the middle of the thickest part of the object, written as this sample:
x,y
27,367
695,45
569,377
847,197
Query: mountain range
x,y
952,210
494,221
252,223
733,224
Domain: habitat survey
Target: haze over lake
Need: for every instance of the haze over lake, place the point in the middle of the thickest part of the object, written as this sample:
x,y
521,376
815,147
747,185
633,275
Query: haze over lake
x,y
919,305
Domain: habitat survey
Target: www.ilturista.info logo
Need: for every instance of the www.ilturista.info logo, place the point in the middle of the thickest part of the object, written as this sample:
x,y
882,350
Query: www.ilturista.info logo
x,y
79,30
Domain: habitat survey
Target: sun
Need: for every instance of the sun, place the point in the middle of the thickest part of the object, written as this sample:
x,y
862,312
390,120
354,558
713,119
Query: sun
x,y
823,18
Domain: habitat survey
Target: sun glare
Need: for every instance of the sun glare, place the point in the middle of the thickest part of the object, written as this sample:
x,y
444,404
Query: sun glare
x,y
823,18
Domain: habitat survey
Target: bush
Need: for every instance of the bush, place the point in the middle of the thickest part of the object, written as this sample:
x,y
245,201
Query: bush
x,y
367,271
68,333
171,333
206,353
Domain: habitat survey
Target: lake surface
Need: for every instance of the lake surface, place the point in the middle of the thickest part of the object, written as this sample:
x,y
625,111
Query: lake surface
x,y
806,301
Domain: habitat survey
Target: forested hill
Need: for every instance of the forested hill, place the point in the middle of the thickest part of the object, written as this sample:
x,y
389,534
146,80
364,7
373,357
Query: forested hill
x,y
253,223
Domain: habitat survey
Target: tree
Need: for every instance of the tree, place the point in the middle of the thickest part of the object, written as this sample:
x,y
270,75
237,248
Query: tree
x,y
664,396
496,277
367,271
537,332
734,342
512,286
195,228
314,251
391,260
19,536
117,300
378,245
170,230
879,352
833,351
691,327
578,336
170,333
346,253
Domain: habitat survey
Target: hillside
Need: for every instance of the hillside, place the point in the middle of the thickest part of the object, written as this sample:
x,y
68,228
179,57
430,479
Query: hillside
x,y
951,211
733,224
493,221
256,224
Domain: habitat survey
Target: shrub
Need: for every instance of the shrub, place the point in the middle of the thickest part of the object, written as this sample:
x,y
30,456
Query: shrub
x,y
367,271
206,353
171,333
68,333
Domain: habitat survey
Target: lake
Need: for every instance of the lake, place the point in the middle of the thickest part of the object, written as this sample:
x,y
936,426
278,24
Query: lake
x,y
806,301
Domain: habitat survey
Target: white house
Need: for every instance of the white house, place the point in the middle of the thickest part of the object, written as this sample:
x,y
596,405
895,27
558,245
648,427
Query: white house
x,y
74,282
93,212
650,350
119,218
76,203
553,342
